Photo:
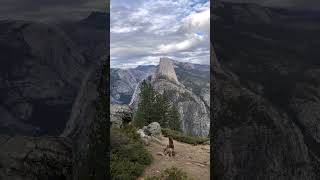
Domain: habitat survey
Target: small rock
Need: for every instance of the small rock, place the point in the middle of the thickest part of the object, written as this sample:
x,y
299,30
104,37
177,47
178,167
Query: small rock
x,y
160,153
144,128
141,133
201,165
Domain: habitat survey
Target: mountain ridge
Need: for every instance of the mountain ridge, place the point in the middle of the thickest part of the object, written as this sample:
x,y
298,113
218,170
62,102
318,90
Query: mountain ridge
x,y
122,92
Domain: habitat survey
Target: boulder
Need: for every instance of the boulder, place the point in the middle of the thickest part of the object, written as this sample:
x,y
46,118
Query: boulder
x,y
153,129
150,133
145,138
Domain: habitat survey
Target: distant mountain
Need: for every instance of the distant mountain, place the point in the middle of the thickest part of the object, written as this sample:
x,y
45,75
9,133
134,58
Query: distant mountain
x,y
124,81
266,100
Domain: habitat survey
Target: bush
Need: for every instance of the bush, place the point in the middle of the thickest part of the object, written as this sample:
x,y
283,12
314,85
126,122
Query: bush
x,y
172,173
128,155
179,136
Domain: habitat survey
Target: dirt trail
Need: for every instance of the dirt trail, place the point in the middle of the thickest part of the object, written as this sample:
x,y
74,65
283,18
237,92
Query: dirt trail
x,y
194,160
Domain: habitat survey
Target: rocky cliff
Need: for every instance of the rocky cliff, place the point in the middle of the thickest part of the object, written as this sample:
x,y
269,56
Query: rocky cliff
x,y
124,82
193,109
165,70
265,96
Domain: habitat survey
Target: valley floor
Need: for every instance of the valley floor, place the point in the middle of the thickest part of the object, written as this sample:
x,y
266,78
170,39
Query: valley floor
x,y
194,160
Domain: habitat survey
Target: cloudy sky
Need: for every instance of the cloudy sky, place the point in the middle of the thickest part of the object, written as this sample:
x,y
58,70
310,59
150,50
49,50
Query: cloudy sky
x,y
50,10
142,31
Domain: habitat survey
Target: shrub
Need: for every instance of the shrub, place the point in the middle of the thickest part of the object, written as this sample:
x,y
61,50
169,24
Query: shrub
x,y
128,155
179,136
172,173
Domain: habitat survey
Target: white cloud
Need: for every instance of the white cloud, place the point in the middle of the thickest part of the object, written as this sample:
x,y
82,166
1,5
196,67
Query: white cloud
x,y
180,46
198,21
144,31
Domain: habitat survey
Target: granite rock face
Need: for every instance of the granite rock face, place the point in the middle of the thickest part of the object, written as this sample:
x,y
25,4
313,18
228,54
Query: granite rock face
x,y
165,70
124,82
194,111
194,114
265,98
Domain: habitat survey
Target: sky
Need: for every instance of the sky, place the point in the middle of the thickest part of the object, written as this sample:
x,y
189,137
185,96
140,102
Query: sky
x,y
142,31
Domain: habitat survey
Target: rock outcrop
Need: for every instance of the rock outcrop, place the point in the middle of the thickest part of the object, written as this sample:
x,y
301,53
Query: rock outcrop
x,y
120,115
165,70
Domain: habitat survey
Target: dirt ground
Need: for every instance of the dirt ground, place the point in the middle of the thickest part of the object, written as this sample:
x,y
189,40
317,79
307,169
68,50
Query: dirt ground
x,y
194,160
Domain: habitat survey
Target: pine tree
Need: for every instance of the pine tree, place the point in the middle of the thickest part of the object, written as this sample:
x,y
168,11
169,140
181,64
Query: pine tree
x,y
139,119
163,107
174,119
146,113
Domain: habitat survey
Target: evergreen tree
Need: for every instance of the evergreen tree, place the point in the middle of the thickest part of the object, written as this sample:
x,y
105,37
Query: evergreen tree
x,y
146,113
139,119
163,107
174,119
